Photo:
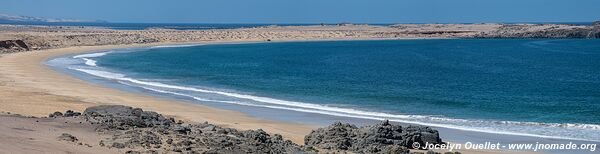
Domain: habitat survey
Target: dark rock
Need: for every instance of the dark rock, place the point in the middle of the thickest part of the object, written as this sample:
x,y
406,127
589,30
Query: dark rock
x,y
118,145
432,152
133,152
124,117
338,136
149,40
55,114
67,137
421,135
70,113
180,129
139,138
13,46
144,131
137,129
380,138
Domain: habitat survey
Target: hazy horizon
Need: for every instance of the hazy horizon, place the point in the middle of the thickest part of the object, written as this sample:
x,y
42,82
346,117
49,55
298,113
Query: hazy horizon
x,y
310,11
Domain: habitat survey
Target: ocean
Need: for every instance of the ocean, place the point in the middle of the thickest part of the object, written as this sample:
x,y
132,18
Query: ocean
x,y
529,87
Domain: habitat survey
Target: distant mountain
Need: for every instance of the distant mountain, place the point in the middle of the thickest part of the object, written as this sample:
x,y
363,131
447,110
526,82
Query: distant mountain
x,y
17,18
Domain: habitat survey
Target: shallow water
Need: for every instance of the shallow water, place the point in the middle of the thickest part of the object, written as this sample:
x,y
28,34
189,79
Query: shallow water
x,y
542,88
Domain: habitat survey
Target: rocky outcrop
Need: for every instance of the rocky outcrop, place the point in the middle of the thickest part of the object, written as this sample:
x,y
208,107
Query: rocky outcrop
x,y
380,138
71,113
134,128
68,113
137,131
55,114
8,46
123,117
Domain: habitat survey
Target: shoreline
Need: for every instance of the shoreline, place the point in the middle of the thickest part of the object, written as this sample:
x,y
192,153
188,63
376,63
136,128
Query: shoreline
x,y
324,118
58,92
64,92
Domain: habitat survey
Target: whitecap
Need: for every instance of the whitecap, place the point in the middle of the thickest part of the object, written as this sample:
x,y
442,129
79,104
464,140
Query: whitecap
x,y
103,74
90,62
91,55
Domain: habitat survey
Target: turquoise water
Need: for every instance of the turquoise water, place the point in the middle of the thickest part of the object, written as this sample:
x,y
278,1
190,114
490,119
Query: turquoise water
x,y
546,88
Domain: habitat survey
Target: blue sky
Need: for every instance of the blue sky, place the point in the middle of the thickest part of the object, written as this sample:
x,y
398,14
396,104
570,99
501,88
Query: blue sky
x,y
310,11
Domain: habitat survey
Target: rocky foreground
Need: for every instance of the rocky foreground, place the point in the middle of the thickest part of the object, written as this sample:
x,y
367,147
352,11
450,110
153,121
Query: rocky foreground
x,y
16,38
134,130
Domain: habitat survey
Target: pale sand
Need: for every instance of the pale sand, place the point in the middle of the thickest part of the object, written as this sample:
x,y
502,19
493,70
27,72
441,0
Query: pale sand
x,y
29,87
39,135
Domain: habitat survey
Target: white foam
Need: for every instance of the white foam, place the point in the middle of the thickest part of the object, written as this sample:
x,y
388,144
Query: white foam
x,y
272,101
512,128
89,62
62,61
103,74
91,55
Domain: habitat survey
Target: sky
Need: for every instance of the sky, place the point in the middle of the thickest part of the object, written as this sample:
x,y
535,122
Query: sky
x,y
309,11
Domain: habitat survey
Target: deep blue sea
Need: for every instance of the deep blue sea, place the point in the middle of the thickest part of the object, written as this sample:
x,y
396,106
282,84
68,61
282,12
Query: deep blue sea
x,y
530,87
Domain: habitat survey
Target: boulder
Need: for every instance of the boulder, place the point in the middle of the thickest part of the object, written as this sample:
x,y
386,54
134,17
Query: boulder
x,y
67,137
124,117
13,46
68,113
55,114
380,138
338,136
182,129
71,113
